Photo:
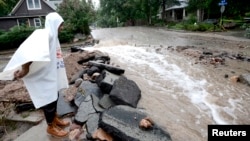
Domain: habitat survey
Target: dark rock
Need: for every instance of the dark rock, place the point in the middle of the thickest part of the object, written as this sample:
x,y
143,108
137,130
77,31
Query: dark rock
x,y
104,59
86,88
207,53
75,48
181,48
110,68
24,107
78,82
77,75
106,102
240,57
85,109
86,58
95,101
125,92
122,123
92,70
106,80
64,107
101,56
92,123
245,79
248,59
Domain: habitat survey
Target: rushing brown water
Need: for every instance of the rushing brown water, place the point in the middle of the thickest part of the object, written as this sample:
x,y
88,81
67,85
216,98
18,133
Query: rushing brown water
x,y
181,97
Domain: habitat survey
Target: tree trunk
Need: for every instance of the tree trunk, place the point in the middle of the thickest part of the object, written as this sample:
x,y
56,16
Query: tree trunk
x,y
163,14
200,15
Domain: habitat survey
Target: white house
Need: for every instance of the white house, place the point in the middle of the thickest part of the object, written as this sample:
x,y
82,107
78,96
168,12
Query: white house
x,y
177,12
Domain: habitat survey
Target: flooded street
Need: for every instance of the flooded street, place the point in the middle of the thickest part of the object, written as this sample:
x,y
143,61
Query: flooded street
x,y
179,95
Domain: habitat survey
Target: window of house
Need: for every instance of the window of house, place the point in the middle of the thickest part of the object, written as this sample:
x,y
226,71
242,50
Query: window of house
x,y
37,22
23,22
33,4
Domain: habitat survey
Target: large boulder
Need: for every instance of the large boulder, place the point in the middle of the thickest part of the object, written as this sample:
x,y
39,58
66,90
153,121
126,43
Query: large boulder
x,y
84,111
92,123
106,80
125,92
64,107
87,88
113,69
122,123
105,102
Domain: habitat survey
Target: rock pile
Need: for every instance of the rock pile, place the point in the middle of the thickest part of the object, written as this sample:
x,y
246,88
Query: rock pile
x,y
102,99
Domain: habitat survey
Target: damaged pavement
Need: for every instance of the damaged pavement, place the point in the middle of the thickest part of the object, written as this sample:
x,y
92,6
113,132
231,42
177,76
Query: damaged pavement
x,y
101,104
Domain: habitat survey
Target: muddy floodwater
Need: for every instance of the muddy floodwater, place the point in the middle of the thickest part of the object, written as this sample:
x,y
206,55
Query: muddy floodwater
x,y
182,97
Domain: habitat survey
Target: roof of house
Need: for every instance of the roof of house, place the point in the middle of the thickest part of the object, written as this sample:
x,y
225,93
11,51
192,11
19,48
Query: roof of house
x,y
20,3
183,4
26,16
53,4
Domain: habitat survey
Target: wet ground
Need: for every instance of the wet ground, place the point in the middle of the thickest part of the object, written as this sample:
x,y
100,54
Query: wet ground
x,y
180,95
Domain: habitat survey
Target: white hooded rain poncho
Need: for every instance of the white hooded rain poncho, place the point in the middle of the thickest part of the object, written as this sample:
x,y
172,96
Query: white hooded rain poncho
x,y
47,73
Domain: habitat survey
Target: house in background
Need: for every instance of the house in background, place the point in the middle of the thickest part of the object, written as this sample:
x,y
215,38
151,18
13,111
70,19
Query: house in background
x,y
29,13
53,3
177,12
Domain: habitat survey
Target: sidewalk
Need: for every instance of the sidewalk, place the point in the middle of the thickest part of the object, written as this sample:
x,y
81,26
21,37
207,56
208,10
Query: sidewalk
x,y
38,133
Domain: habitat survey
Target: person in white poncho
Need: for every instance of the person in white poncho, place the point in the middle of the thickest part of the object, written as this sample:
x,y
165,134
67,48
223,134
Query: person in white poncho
x,y
44,74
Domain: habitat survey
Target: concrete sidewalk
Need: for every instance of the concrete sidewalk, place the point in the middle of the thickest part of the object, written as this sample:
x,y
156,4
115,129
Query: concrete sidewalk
x,y
38,133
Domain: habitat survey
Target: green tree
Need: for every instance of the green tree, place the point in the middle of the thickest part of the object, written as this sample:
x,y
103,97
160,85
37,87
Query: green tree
x,y
237,9
204,7
113,12
6,6
110,12
211,8
77,15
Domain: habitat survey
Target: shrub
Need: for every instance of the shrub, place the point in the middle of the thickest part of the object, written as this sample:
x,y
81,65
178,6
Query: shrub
x,y
245,26
15,37
2,32
247,14
193,27
65,36
191,19
247,34
178,26
205,27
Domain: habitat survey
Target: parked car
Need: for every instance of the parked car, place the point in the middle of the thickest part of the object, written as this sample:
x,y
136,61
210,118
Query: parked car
x,y
211,21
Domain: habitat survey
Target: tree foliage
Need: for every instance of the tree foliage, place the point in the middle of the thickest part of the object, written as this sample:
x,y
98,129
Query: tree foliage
x,y
113,12
237,9
14,37
6,6
233,9
77,15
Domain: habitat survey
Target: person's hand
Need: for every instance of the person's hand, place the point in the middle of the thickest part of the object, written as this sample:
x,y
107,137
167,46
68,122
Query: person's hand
x,y
24,71
20,73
